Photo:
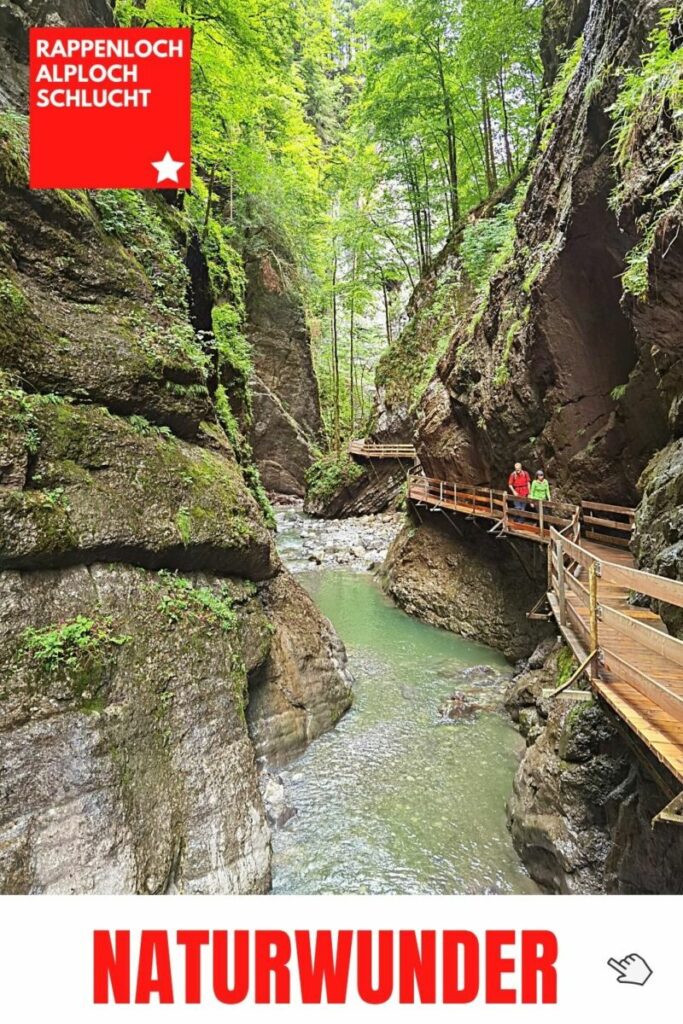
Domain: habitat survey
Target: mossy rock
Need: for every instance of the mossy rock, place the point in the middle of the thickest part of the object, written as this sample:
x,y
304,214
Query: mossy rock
x,y
94,306
102,489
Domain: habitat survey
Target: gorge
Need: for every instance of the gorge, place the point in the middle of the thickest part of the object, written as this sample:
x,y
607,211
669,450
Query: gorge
x,y
490,269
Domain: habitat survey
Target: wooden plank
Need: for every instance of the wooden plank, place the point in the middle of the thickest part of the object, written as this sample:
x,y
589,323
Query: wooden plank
x,y
662,589
603,507
604,539
663,644
659,694
611,524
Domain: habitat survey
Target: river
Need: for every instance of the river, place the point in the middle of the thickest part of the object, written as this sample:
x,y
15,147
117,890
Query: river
x,y
394,800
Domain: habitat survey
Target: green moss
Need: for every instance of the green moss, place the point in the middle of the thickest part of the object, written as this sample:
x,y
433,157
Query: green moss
x,y
243,453
13,150
566,666
329,473
184,523
234,351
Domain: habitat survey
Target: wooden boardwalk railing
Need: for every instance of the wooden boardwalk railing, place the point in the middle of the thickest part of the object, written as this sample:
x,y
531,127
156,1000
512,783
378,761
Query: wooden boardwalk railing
x,y
533,523
623,647
635,665
369,450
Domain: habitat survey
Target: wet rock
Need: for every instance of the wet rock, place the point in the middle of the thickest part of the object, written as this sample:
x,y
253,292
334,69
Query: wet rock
x,y
304,685
459,707
278,810
129,770
658,539
103,488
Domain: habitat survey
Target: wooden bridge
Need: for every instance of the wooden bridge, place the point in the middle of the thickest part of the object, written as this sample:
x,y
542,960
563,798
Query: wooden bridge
x,y
620,644
368,450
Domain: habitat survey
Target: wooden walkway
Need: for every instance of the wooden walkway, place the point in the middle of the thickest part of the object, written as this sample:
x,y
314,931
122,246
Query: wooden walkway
x,y
632,661
368,450
622,647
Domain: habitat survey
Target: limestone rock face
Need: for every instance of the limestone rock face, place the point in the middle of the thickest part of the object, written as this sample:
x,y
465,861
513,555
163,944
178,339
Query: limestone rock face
x,y
379,487
130,770
304,686
473,585
128,765
581,808
554,370
287,421
78,311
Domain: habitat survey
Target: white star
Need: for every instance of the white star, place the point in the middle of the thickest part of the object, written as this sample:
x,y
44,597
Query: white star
x,y
167,169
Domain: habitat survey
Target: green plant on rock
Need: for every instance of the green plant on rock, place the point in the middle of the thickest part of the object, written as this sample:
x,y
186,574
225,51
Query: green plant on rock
x,y
13,149
502,374
71,645
566,666
487,244
184,599
559,91
144,428
329,473
647,93
243,454
232,346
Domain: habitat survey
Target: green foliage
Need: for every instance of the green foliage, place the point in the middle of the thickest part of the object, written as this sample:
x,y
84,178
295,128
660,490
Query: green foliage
x,y
487,244
71,645
12,300
233,348
184,600
658,81
137,219
329,473
646,94
143,427
616,394
559,91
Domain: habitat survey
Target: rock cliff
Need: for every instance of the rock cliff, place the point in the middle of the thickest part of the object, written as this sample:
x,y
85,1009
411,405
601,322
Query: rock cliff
x,y
570,359
151,645
287,424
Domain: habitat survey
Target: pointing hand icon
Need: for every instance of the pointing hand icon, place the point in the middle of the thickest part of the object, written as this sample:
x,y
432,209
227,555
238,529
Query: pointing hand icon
x,y
632,970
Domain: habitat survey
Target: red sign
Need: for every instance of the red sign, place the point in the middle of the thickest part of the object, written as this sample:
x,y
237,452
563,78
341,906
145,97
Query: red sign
x,y
110,108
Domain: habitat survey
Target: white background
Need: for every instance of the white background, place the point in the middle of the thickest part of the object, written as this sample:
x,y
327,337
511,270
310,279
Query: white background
x,y
46,953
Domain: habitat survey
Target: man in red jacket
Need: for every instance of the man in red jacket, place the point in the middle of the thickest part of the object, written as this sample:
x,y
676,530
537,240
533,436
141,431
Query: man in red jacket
x,y
519,483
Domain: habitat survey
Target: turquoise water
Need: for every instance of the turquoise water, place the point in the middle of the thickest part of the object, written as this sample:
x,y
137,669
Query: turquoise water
x,y
393,800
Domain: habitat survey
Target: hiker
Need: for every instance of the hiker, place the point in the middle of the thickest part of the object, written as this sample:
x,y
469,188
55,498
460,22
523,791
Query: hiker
x,y
540,488
519,482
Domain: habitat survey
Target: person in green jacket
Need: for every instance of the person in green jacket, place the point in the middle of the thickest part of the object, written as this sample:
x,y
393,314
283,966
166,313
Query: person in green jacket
x,y
540,488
